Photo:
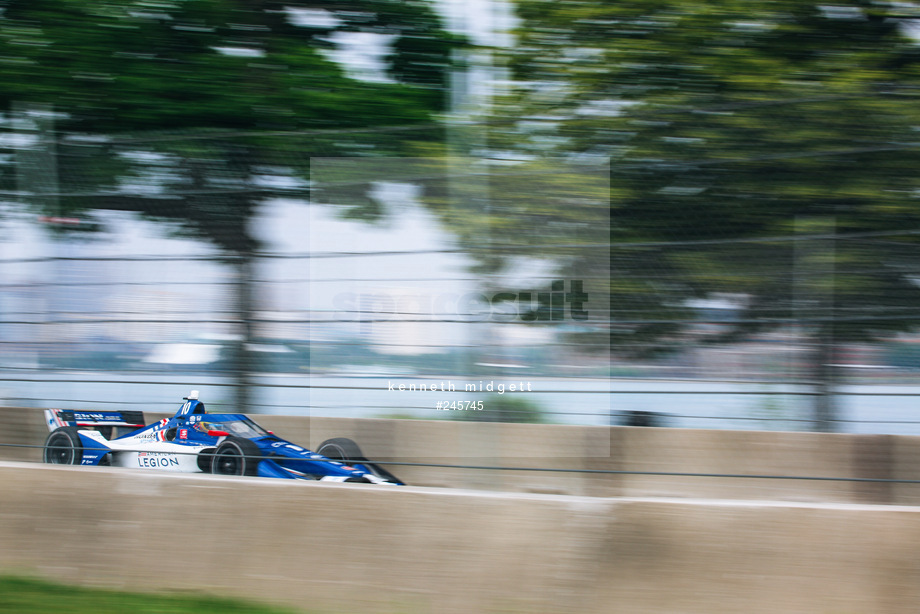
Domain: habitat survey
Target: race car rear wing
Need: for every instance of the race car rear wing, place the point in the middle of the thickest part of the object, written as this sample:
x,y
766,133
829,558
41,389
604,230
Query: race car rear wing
x,y
55,418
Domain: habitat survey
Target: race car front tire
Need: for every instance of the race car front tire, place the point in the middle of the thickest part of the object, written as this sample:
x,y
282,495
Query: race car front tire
x,y
63,447
344,449
341,449
236,456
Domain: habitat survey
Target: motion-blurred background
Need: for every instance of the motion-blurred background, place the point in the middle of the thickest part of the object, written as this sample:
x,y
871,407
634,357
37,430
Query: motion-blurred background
x,y
293,205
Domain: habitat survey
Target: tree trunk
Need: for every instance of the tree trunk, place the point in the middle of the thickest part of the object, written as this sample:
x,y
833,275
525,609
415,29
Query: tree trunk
x,y
824,381
240,362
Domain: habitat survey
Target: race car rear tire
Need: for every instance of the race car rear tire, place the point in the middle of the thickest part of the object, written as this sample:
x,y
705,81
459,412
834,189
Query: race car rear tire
x,y
344,449
236,456
63,447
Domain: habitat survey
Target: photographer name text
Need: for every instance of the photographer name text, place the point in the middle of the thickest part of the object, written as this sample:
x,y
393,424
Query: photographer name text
x,y
450,386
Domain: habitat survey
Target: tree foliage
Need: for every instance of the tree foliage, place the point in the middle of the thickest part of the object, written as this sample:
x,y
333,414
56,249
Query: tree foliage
x,y
180,108
742,135
230,64
236,73
193,97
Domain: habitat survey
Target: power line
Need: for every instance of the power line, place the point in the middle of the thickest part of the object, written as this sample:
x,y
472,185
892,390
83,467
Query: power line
x,y
574,470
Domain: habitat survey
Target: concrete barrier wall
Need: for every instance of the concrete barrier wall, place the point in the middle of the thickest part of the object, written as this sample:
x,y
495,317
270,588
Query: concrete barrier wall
x,y
640,450
21,427
659,450
371,549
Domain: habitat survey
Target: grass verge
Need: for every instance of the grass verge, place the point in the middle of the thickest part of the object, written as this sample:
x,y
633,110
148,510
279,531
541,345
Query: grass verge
x,y
20,595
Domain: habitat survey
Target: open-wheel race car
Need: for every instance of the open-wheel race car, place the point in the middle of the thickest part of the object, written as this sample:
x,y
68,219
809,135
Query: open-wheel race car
x,y
193,441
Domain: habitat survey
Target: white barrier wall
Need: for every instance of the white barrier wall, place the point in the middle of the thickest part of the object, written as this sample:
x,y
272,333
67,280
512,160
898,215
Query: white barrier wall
x,y
643,451
376,549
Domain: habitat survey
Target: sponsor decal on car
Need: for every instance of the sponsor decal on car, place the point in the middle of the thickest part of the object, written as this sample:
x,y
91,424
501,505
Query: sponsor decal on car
x,y
92,417
154,460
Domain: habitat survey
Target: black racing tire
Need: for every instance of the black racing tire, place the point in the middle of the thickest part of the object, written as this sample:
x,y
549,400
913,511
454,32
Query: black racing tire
x,y
341,449
63,446
344,449
206,459
236,456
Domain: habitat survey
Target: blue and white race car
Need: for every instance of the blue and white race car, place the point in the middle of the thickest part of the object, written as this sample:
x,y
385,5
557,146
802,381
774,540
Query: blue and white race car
x,y
193,441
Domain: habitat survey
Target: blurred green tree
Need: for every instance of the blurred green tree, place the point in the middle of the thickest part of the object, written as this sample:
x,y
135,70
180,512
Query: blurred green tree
x,y
765,149
229,86
503,408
